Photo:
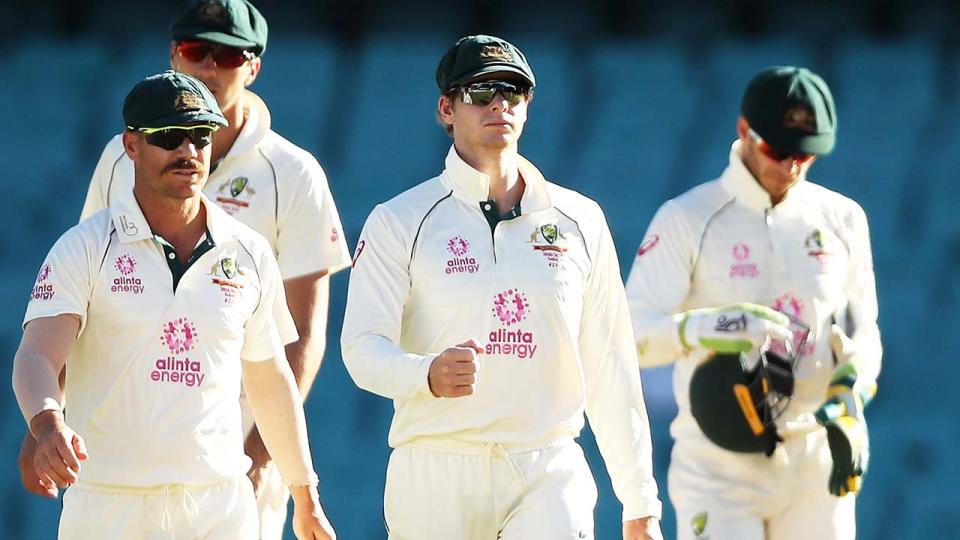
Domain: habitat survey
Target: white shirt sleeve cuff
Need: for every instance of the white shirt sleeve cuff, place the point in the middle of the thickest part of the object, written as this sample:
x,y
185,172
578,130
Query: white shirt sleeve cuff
x,y
641,508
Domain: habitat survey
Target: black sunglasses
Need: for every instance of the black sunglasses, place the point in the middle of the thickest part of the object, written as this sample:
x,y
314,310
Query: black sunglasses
x,y
171,137
483,92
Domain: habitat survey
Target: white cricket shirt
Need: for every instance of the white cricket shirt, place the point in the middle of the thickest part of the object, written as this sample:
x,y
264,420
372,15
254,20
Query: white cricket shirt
x,y
153,379
543,296
723,242
265,181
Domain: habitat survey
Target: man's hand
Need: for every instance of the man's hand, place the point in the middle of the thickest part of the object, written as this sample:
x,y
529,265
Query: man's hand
x,y
842,416
733,328
454,373
28,475
59,450
309,521
260,457
647,528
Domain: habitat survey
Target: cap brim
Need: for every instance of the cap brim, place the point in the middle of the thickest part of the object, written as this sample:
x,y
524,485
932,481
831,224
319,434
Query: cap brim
x,y
185,118
217,37
492,68
803,143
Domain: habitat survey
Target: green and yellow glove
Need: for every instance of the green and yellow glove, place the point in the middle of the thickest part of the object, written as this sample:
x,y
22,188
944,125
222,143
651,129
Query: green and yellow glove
x,y
842,416
733,328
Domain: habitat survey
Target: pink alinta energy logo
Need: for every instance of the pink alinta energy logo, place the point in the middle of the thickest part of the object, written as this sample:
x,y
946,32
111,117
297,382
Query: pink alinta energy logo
x,y
179,335
743,268
790,305
511,307
125,282
460,263
458,246
41,290
44,273
125,264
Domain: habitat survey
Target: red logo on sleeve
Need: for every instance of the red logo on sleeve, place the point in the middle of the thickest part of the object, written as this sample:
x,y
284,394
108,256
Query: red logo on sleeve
x,y
648,243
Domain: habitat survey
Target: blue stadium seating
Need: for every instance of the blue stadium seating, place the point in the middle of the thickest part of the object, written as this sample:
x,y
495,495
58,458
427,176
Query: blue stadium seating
x,y
628,122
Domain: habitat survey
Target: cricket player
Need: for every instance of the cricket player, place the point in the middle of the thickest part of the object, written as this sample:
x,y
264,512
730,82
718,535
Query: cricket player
x,y
487,303
261,179
746,261
163,303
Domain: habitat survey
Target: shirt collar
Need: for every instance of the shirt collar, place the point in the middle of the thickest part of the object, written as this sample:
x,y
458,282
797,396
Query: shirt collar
x,y
255,127
739,182
132,226
472,186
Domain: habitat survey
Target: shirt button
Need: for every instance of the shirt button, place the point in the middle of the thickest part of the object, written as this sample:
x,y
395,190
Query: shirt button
x,y
172,256
486,207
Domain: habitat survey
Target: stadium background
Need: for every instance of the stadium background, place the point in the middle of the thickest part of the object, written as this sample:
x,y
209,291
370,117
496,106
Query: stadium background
x,y
636,103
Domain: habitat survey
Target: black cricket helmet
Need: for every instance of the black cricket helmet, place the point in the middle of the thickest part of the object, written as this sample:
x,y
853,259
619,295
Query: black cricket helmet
x,y
737,408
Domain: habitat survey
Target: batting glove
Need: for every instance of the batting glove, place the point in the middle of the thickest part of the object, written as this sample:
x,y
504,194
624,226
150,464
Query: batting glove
x,y
842,416
734,328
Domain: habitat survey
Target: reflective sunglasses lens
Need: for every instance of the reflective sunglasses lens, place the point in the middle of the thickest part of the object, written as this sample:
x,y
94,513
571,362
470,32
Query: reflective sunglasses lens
x,y
229,57
483,93
194,51
777,155
223,55
201,137
478,96
513,97
171,139
168,139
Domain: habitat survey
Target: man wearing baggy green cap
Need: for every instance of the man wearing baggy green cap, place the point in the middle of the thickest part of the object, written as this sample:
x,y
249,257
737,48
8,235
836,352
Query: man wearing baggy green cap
x,y
487,304
158,345
260,178
759,286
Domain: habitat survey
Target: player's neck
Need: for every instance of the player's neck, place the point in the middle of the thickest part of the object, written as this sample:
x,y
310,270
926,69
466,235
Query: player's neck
x,y
501,166
180,222
223,141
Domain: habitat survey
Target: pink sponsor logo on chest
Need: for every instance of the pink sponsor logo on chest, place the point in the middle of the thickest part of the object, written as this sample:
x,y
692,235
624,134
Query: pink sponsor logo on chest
x,y
461,262
742,266
126,282
179,336
511,307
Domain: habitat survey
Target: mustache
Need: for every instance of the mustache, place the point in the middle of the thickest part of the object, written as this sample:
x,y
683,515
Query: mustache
x,y
185,164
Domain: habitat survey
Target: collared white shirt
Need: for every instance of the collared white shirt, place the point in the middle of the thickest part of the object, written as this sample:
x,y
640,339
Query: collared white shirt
x,y
265,181
723,242
541,293
153,380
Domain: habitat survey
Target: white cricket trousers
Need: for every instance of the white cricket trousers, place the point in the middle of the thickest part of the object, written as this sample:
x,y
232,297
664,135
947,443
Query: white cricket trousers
x,y
722,495
273,495
224,511
444,490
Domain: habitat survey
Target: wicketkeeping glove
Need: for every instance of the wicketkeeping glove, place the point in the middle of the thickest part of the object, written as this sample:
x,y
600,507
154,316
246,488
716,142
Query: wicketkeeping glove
x,y
733,328
842,416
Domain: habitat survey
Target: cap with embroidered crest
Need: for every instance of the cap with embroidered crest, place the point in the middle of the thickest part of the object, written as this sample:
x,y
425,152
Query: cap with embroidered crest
x,y
473,56
170,99
235,23
792,109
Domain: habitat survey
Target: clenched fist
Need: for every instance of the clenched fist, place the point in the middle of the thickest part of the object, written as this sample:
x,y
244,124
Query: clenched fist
x,y
454,373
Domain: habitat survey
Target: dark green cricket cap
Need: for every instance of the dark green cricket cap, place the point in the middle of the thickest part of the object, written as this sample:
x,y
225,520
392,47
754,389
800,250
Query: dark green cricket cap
x,y
170,99
473,56
235,23
792,109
